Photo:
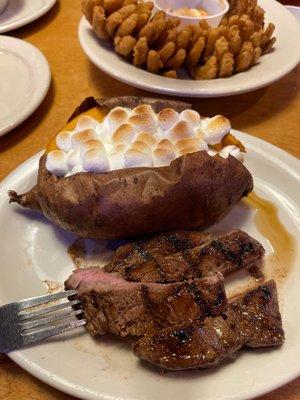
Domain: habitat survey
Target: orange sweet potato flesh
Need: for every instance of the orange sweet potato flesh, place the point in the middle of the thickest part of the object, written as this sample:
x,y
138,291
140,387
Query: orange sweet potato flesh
x,y
195,191
97,113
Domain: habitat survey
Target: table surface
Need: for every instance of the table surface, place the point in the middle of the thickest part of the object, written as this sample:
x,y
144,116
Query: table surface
x,y
272,113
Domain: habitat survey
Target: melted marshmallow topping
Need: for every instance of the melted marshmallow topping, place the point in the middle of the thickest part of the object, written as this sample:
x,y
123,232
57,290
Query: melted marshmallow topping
x,y
136,138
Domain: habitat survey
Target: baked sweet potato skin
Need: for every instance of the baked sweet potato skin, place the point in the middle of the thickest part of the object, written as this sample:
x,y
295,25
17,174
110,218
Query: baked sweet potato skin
x,y
195,191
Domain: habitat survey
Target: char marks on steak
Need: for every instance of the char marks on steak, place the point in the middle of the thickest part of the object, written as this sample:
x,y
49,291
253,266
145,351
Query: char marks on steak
x,y
153,246
198,256
112,304
252,320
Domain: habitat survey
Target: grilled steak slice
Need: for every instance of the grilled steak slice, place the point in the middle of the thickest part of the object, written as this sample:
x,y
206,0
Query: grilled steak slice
x,y
251,320
160,245
114,305
225,254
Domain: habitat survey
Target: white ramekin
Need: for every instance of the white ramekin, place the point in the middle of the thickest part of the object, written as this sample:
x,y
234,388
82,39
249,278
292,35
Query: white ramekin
x,y
215,8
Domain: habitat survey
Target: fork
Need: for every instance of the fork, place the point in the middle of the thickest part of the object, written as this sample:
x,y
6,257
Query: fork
x,y
20,325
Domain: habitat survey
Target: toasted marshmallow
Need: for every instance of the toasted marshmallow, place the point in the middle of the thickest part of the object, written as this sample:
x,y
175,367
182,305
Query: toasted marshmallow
x,y
120,148
63,141
116,161
56,163
163,157
146,138
124,134
141,146
96,160
135,158
198,143
91,144
143,109
167,118
86,122
74,159
77,169
190,116
180,130
143,122
80,137
233,151
215,129
166,144
115,118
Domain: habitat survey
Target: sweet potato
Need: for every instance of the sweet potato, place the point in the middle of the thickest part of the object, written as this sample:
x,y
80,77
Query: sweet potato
x,y
195,191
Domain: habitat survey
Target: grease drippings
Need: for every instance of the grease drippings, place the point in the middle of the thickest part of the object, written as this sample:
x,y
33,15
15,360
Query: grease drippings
x,y
269,225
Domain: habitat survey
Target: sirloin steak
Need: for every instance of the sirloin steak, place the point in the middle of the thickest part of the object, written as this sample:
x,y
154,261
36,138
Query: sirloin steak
x,y
225,254
112,304
252,319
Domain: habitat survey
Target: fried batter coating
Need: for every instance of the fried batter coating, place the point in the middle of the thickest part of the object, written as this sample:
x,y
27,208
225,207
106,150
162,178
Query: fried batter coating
x,y
224,21
226,66
233,20
207,71
87,7
221,47
152,30
159,15
176,61
140,52
146,7
256,54
171,36
255,39
214,35
128,2
268,46
167,51
98,22
183,38
170,25
244,59
258,18
112,23
128,25
170,74
111,6
246,27
143,19
240,7
154,63
266,36
196,52
234,40
204,25
124,45
250,9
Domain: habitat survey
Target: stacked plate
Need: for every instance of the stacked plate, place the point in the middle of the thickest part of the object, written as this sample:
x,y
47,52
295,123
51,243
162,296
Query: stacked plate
x,y
25,73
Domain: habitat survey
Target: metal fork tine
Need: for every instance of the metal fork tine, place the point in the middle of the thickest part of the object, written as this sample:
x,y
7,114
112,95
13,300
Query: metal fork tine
x,y
48,320
41,334
26,315
35,301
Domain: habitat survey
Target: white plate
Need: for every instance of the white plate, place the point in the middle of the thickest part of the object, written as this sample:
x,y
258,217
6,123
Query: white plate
x,y
25,79
21,12
33,249
295,11
270,67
